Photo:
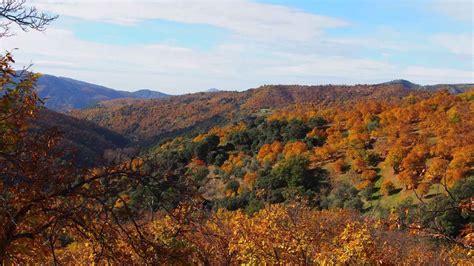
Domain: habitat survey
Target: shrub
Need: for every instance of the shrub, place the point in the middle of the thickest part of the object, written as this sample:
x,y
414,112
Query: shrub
x,y
233,185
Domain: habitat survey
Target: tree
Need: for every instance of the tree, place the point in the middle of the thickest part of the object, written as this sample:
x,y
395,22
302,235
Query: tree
x,y
295,148
294,171
203,148
45,198
413,166
41,193
269,152
295,130
316,122
343,196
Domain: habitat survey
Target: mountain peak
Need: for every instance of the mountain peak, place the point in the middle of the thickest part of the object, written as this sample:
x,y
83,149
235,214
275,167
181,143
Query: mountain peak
x,y
64,94
212,90
405,83
148,94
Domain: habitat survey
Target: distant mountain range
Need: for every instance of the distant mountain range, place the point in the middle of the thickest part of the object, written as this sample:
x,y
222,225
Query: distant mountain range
x,y
212,90
64,94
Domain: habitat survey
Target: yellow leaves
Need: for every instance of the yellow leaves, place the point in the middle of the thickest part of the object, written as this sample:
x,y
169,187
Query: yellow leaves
x,y
278,234
222,132
359,165
460,256
164,229
363,184
413,166
354,244
199,137
234,161
82,253
453,115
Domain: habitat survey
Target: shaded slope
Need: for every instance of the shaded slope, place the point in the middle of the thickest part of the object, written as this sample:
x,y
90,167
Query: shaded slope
x,y
87,140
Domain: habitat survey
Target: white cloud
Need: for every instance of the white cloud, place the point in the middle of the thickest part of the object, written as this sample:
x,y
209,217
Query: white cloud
x,y
426,75
239,65
270,44
459,44
461,10
242,17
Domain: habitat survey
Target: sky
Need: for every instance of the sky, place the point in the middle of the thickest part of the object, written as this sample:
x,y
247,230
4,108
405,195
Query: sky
x,y
186,46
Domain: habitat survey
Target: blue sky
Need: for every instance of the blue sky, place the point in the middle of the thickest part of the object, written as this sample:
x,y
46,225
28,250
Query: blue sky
x,y
187,46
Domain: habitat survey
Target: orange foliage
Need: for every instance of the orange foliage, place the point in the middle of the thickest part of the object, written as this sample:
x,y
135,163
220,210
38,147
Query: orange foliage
x,y
270,152
461,164
249,179
234,161
295,148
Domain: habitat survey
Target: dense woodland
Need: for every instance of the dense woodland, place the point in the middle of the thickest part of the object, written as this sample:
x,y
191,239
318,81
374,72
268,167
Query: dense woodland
x,y
366,174
147,119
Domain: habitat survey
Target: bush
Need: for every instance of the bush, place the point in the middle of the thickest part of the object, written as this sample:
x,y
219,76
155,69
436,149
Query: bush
x,y
232,185
343,196
372,159
367,192
295,130
317,122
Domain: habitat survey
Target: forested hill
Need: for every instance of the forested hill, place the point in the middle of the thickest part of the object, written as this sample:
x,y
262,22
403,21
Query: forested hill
x,y
151,118
452,88
411,159
84,140
63,94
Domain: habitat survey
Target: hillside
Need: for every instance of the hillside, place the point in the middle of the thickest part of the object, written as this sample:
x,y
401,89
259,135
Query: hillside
x,y
452,88
403,167
372,156
63,94
151,118
85,140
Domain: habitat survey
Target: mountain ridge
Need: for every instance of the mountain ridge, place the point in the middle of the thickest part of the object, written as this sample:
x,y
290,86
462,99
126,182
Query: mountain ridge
x,y
150,118
63,94
455,88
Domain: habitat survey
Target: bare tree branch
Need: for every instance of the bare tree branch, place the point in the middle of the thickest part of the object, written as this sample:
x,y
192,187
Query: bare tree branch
x,y
16,12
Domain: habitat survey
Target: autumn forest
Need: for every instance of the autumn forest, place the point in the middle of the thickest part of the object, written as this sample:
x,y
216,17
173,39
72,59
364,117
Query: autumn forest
x,y
377,174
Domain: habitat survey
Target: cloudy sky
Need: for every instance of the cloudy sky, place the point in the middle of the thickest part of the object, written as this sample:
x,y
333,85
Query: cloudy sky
x,y
186,46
